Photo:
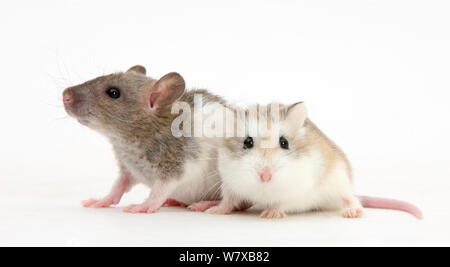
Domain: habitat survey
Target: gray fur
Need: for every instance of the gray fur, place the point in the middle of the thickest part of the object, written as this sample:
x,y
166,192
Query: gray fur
x,y
143,142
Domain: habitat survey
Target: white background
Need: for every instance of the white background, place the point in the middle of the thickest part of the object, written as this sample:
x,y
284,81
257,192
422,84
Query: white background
x,y
374,74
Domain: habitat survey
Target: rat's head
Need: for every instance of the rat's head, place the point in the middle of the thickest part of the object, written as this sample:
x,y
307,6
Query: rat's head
x,y
265,159
117,101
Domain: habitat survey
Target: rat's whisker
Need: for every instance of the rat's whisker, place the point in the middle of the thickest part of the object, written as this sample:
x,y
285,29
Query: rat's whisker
x,y
53,105
58,119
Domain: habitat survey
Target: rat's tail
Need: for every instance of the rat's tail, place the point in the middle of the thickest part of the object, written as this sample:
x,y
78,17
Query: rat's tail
x,y
390,204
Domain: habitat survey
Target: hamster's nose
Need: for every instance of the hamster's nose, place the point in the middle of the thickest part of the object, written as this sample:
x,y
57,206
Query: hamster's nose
x,y
265,175
68,98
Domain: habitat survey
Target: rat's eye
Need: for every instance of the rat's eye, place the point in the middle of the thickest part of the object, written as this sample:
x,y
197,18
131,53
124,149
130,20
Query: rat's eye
x,y
113,92
248,143
284,143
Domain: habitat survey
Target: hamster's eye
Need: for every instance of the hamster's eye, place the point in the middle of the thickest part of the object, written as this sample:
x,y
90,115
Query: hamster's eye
x,y
284,143
248,143
113,92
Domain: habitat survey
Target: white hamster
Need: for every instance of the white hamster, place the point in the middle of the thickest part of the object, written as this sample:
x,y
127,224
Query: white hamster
x,y
289,166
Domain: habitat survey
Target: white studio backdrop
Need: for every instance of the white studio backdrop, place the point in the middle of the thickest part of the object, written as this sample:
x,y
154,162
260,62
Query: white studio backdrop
x,y
374,75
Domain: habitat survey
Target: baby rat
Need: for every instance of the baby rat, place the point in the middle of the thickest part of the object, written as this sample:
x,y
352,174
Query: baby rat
x,y
134,112
289,166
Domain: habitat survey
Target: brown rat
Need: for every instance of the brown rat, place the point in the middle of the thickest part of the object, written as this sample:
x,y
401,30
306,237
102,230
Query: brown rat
x,y
134,112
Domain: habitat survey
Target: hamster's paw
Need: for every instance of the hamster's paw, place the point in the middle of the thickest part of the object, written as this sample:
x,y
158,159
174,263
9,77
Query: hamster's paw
x,y
354,212
273,213
353,208
141,208
202,205
99,203
218,210
173,203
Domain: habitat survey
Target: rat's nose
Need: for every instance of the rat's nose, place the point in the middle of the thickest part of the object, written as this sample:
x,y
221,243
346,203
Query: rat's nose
x,y
68,98
265,175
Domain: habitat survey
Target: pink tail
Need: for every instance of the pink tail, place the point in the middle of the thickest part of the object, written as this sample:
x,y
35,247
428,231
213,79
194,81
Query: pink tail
x,y
390,204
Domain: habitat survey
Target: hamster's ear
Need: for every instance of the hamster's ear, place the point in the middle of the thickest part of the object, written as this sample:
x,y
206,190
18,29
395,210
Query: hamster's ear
x,y
296,114
138,68
165,91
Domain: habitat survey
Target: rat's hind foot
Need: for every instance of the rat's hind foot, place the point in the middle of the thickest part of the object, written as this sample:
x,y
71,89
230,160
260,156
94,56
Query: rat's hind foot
x,y
140,208
158,196
173,203
99,203
202,205
273,213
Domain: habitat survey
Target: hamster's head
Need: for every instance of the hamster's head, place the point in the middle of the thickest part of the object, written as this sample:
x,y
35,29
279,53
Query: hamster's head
x,y
265,160
117,101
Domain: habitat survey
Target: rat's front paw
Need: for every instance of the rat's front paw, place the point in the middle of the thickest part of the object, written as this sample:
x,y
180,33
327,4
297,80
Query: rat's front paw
x,y
141,208
272,213
99,203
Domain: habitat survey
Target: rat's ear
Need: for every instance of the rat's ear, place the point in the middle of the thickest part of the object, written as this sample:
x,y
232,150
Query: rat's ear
x,y
165,91
296,114
138,68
